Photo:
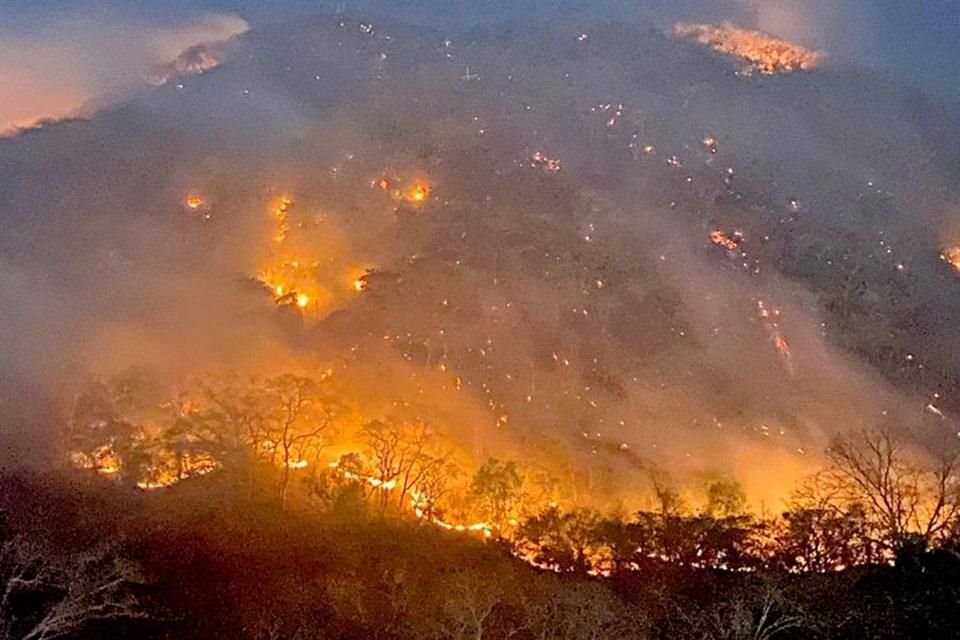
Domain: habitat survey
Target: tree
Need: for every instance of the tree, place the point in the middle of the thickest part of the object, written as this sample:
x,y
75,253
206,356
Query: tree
x,y
405,456
759,611
297,417
496,486
236,415
470,601
431,489
905,496
46,596
562,610
101,435
815,536
725,497
565,542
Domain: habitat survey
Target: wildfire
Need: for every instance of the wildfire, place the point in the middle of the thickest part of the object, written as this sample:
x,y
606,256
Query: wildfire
x,y
281,213
730,242
951,255
419,505
172,470
194,202
771,322
762,53
103,460
193,61
303,300
418,193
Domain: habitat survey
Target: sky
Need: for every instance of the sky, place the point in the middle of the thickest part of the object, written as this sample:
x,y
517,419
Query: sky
x,y
58,58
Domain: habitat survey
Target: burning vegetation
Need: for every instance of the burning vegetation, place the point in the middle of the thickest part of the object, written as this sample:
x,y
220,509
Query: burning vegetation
x,y
951,255
760,52
360,353
195,60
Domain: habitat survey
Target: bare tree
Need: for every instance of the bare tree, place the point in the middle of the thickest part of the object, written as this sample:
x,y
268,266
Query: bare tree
x,y
432,487
404,454
472,599
45,599
904,494
762,612
297,418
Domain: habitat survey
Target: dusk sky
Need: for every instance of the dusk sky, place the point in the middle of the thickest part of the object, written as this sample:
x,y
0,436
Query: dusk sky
x,y
101,45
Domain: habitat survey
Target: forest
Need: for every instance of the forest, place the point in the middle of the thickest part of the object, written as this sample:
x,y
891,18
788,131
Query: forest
x,y
350,324
225,524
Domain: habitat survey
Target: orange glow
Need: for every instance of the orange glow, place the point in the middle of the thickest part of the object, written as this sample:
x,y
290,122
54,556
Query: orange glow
x,y
418,193
417,503
762,53
951,255
781,345
194,202
303,300
721,238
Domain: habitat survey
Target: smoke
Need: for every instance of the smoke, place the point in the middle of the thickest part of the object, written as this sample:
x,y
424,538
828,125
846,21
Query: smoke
x,y
82,59
580,320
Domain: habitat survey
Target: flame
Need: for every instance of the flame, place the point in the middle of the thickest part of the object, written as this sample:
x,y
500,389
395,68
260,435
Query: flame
x,y
280,213
418,503
540,159
951,255
761,52
303,300
194,202
168,472
418,193
730,242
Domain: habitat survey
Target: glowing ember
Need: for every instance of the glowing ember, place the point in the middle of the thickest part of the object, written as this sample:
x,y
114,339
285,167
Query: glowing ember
x,y
762,53
540,159
951,255
303,300
721,238
194,202
418,193
280,213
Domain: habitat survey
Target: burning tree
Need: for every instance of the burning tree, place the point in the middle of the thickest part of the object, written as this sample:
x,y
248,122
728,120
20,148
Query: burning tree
x,y
104,432
496,487
297,417
406,458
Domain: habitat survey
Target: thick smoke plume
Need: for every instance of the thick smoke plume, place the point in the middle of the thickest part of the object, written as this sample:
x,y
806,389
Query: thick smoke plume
x,y
625,258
